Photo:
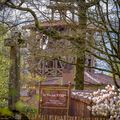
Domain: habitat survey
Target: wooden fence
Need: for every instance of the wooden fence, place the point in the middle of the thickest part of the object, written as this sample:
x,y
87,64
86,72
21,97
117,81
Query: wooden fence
x,y
77,109
55,117
65,117
79,106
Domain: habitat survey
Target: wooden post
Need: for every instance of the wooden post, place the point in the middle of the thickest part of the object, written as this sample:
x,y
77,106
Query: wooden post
x,y
14,72
39,90
69,99
14,77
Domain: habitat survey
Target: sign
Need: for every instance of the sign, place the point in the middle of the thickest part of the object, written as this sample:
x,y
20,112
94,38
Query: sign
x,y
55,97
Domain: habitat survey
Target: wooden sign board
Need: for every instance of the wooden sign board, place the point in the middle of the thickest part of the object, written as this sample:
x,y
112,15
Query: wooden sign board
x,y
55,97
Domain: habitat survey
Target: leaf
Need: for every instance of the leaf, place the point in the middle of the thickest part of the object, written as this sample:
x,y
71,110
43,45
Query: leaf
x,y
5,111
37,97
20,105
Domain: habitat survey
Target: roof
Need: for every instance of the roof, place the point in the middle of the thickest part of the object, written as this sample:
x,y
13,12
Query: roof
x,y
103,78
90,79
52,23
60,23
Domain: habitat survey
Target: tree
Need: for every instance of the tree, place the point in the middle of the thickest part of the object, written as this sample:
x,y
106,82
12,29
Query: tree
x,y
31,7
88,12
107,18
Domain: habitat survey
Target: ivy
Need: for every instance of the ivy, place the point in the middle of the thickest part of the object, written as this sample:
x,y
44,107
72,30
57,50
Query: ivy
x,y
4,73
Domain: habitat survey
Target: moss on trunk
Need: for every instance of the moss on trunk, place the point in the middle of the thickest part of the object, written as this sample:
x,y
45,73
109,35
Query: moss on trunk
x,y
80,62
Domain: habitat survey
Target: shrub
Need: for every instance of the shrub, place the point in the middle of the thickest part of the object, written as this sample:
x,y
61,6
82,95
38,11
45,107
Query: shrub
x,y
106,102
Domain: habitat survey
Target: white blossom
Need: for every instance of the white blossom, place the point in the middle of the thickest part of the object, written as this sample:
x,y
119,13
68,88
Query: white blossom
x,y
106,102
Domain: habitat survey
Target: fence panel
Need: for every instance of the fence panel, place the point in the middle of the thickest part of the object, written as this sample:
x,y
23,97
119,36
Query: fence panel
x,y
77,106
55,117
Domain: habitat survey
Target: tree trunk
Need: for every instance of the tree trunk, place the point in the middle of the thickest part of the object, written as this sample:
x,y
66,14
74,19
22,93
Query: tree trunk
x,y
79,77
80,63
14,77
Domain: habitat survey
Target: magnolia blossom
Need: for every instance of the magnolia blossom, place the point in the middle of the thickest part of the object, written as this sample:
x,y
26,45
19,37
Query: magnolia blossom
x,y
106,102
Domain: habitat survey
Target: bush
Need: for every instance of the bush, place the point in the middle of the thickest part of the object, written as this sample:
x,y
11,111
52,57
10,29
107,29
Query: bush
x,y
106,102
6,114
26,109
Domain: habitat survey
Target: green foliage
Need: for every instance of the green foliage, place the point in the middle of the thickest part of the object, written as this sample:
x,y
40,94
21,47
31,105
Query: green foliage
x,y
4,66
38,97
5,111
27,78
20,105
29,110
3,29
26,109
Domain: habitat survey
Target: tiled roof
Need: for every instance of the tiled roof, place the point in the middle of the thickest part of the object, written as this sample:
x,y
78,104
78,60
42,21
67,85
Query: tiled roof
x,y
54,23
90,78
99,78
59,23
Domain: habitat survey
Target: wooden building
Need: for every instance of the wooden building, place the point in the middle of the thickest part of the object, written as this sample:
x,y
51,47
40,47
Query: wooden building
x,y
49,53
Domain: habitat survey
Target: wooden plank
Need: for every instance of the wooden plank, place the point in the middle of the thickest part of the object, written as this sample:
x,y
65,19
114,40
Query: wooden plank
x,y
64,117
